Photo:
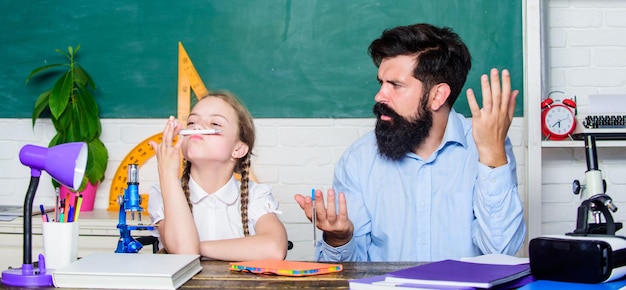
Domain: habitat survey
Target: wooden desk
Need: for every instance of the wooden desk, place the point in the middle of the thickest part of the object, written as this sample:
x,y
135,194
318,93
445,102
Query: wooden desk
x,y
216,275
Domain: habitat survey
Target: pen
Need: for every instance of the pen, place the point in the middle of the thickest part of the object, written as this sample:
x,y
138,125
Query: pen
x,y
79,202
70,214
44,215
56,205
62,211
66,207
314,217
199,132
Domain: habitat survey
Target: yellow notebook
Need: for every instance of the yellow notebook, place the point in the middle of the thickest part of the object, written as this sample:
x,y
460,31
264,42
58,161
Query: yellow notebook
x,y
285,268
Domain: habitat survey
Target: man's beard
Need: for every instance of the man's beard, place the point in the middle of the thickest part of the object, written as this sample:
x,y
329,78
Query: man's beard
x,y
399,136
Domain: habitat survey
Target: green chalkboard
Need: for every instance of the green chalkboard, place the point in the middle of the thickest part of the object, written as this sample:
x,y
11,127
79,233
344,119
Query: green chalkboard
x,y
284,58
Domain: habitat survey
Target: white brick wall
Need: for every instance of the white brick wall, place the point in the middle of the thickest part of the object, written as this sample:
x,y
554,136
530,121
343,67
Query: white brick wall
x,y
586,55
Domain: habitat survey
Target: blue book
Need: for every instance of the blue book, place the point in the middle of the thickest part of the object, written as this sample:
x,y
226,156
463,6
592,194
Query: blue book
x,y
545,284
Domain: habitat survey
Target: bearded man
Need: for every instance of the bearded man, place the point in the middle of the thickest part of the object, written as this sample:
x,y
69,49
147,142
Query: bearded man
x,y
427,184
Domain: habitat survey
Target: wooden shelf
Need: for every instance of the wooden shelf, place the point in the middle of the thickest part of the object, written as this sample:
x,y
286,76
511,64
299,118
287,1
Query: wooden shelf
x,y
581,144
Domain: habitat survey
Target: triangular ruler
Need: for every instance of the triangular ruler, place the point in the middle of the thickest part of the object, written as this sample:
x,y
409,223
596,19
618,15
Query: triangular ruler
x,y
188,80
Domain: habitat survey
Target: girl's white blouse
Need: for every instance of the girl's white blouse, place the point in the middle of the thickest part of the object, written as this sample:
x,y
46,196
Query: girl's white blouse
x,y
218,215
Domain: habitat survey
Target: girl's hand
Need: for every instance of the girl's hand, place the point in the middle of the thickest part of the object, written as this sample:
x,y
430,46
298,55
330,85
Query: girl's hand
x,y
168,152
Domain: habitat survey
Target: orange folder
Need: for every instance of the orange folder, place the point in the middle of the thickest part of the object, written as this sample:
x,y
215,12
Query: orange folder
x,y
285,268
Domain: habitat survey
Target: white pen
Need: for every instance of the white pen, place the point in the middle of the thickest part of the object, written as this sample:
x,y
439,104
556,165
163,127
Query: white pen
x,y
199,132
314,218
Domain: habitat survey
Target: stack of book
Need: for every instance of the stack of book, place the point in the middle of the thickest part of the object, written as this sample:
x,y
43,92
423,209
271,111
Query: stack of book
x,y
450,274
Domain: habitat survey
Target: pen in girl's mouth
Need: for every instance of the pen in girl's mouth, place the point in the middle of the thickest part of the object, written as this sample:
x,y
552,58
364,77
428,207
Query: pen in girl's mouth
x,y
199,132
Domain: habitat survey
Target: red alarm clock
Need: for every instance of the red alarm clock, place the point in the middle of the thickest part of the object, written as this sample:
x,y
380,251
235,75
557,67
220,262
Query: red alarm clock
x,y
558,120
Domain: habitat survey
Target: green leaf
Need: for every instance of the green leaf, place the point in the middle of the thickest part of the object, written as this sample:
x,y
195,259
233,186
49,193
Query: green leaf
x,y
57,125
84,77
56,140
79,78
60,95
41,69
63,53
88,108
74,130
40,105
97,161
62,123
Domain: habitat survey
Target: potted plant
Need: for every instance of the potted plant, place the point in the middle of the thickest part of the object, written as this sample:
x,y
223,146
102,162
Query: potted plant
x,y
74,112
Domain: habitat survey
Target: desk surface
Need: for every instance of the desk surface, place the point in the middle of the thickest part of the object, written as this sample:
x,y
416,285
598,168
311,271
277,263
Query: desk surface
x,y
216,275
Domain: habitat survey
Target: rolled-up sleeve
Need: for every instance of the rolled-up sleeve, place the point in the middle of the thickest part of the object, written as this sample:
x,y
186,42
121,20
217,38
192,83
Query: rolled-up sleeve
x,y
327,253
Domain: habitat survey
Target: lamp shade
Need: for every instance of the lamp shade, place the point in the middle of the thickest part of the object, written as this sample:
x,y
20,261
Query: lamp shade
x,y
65,162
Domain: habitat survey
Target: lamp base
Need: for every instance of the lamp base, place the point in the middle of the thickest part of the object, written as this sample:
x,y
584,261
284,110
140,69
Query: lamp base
x,y
26,276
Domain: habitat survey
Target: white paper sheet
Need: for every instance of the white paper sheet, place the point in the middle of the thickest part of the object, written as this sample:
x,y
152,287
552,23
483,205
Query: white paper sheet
x,y
607,104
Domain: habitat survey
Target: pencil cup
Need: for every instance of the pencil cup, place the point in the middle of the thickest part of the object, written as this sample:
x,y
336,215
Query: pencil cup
x,y
60,244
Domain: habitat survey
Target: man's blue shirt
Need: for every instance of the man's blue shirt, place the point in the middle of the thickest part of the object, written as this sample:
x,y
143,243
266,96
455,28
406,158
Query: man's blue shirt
x,y
447,206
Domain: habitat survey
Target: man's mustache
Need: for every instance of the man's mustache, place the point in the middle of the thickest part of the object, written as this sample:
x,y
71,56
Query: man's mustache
x,y
382,109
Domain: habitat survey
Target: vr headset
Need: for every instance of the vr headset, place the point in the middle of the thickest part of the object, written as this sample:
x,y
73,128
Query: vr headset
x,y
591,254
588,259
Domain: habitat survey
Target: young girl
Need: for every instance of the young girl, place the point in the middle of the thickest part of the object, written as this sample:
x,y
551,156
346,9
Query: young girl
x,y
208,211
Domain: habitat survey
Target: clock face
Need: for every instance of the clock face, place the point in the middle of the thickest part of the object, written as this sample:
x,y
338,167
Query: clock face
x,y
559,120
